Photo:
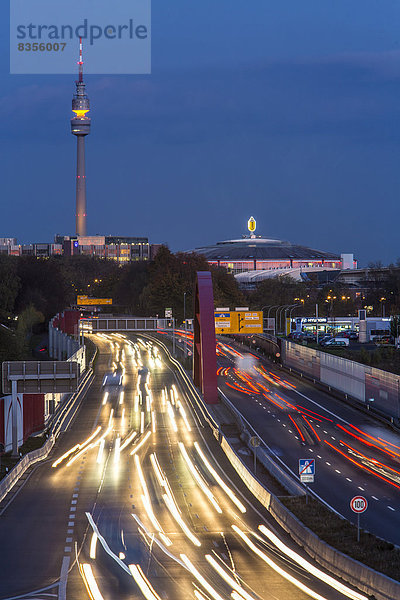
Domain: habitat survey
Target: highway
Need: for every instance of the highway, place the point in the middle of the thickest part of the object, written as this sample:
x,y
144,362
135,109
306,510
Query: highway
x,y
139,501
355,454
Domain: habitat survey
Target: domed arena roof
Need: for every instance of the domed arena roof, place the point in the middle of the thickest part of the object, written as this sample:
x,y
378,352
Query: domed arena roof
x,y
257,248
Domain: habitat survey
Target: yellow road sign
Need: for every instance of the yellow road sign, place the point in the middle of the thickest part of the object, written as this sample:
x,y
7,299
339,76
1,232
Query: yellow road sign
x,y
246,322
85,301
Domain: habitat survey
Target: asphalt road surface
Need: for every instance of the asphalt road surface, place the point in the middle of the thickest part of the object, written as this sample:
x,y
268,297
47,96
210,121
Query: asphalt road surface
x,y
138,501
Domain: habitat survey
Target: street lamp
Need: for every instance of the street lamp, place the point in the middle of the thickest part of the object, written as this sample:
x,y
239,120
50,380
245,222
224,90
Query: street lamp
x,y
184,320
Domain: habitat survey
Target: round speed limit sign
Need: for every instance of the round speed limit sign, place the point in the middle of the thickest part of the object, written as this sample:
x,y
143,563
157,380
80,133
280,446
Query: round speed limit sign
x,y
358,504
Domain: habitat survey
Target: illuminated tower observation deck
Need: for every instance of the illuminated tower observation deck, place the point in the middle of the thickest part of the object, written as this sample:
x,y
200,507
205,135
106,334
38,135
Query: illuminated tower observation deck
x,y
80,127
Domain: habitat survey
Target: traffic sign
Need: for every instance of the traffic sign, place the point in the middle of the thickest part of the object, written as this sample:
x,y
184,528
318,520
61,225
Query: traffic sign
x,y
358,504
85,301
307,470
255,441
238,321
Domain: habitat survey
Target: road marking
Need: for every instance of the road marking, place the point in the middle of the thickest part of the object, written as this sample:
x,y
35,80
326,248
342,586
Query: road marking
x,y
319,456
74,495
337,470
70,531
71,523
72,508
348,479
329,464
360,488
67,549
68,540
391,508
374,497
74,501
64,578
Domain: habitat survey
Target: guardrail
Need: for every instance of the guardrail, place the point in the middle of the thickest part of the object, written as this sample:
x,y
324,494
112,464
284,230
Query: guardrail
x,y
33,457
8,482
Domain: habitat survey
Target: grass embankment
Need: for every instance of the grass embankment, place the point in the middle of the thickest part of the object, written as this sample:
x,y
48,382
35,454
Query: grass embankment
x,y
342,535
32,443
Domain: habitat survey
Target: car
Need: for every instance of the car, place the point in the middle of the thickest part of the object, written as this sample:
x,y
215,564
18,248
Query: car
x,y
383,339
336,341
112,379
325,338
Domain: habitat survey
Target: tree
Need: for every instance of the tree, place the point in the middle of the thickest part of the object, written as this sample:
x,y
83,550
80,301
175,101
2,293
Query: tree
x,y
10,284
27,320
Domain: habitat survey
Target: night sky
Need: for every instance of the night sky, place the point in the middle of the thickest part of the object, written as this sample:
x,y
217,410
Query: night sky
x,y
287,111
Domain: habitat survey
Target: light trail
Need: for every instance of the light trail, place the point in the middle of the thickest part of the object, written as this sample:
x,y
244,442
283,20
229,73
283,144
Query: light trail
x,y
203,582
199,479
143,583
173,509
140,444
93,544
310,568
183,415
276,567
90,582
172,416
147,502
80,446
128,440
219,480
228,579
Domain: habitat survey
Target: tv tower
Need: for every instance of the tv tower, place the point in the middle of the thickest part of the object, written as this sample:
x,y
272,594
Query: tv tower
x,y
80,127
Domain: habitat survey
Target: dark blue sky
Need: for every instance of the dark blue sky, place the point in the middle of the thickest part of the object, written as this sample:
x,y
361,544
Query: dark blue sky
x,y
288,111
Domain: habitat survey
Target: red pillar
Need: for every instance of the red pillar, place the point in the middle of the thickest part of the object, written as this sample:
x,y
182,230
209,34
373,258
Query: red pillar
x,y
204,344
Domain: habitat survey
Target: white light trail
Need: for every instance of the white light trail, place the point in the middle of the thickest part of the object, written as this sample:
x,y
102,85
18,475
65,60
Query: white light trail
x,y
101,449
153,421
276,567
198,478
203,582
172,416
140,444
90,582
219,480
305,564
105,398
228,579
77,447
141,422
93,544
117,450
175,513
143,583
183,415
128,440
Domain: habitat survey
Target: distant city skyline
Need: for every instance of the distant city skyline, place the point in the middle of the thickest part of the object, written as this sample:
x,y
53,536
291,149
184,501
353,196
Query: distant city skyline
x,y
286,112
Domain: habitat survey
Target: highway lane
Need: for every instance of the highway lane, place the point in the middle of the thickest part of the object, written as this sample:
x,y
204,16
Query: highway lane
x,y
354,453
144,516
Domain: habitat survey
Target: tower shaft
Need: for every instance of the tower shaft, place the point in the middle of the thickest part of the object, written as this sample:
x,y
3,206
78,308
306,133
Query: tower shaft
x,y
80,186
80,127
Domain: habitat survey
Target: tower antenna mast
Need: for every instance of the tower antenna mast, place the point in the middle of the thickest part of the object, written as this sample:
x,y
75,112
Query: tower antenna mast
x,y
80,127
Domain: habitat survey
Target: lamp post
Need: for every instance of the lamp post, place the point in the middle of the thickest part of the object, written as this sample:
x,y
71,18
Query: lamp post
x,y
279,319
291,309
184,320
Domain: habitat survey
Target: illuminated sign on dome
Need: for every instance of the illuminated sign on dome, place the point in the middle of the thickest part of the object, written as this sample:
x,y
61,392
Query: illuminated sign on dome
x,y
251,224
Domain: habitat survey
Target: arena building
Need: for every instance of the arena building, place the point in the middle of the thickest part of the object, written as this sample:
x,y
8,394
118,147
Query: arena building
x,y
253,258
